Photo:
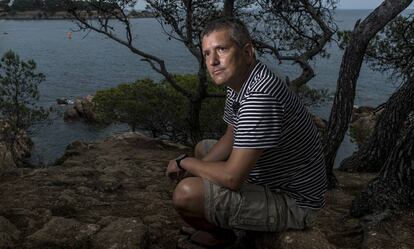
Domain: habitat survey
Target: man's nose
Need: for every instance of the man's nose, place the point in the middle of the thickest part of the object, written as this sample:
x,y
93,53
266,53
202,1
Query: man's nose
x,y
213,59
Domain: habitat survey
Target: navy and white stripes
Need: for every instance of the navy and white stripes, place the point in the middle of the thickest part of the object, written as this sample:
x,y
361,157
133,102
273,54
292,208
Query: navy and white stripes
x,y
267,115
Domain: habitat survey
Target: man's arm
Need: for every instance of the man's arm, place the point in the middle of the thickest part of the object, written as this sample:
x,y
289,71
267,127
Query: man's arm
x,y
222,149
230,174
219,152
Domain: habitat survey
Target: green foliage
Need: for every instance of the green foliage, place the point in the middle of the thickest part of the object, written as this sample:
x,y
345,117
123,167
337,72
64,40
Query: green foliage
x,y
343,38
23,5
159,108
44,5
4,4
359,134
137,104
393,48
311,96
211,109
289,24
18,95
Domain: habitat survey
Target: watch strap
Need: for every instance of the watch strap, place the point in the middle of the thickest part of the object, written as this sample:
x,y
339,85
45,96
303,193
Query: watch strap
x,y
179,159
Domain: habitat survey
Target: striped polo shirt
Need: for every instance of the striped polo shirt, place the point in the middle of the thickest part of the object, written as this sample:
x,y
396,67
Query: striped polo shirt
x,y
267,115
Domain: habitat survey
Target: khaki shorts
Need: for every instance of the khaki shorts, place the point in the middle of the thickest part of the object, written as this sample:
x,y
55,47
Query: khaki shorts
x,y
254,208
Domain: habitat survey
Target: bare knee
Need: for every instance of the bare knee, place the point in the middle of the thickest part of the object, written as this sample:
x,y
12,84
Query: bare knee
x,y
203,147
188,197
199,150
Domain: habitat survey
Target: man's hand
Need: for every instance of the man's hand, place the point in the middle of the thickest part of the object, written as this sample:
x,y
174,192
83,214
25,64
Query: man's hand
x,y
173,172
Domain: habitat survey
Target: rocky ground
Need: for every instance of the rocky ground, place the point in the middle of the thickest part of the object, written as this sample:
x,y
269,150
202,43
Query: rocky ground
x,y
113,194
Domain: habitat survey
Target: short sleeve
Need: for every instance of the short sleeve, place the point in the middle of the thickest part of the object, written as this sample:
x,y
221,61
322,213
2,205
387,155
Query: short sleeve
x,y
229,114
260,120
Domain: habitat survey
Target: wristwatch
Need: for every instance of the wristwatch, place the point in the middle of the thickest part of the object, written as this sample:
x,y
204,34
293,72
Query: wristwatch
x,y
178,160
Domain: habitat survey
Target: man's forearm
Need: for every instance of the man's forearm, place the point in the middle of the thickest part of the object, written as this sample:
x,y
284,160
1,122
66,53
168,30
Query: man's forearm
x,y
230,173
222,149
213,171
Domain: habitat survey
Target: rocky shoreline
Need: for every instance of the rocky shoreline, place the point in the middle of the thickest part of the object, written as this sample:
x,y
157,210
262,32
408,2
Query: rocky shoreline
x,y
58,15
114,194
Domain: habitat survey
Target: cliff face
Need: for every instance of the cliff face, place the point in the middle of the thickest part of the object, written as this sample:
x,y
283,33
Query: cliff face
x,y
114,194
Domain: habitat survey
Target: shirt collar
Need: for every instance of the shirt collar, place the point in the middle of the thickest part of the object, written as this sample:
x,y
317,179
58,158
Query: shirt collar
x,y
244,87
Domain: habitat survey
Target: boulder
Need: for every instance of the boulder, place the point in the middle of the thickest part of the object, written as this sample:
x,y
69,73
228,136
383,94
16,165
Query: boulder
x,y
107,183
74,149
9,234
60,232
6,160
319,122
62,101
22,148
71,115
363,122
79,105
83,108
126,233
88,109
292,239
308,239
366,112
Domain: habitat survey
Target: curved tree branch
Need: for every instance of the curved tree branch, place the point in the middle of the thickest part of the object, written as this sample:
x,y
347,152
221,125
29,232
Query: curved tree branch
x,y
103,29
319,41
350,67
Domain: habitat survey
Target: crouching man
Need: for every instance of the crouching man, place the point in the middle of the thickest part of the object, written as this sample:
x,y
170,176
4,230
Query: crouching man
x,y
267,172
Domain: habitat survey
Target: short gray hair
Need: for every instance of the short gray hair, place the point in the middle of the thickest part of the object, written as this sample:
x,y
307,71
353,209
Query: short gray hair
x,y
237,30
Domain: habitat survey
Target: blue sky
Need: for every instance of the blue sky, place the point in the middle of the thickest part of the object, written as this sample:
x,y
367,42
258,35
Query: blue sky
x,y
361,4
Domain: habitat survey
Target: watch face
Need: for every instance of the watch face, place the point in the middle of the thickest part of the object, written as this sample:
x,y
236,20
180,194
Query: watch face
x,y
181,157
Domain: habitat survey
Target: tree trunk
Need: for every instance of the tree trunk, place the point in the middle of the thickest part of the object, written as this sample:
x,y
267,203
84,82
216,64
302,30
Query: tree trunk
x,y
228,8
393,189
194,121
350,67
373,154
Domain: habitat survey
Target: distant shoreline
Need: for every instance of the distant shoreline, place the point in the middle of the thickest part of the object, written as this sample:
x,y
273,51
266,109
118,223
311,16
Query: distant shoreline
x,y
58,15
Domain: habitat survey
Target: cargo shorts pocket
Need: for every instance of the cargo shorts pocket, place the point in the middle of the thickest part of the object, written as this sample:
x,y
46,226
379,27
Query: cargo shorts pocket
x,y
310,218
256,210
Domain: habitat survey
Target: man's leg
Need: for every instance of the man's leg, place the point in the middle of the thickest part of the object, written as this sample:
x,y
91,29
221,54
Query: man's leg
x,y
188,196
189,202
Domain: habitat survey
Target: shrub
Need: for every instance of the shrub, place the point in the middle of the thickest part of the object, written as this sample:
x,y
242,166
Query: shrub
x,y
19,93
159,109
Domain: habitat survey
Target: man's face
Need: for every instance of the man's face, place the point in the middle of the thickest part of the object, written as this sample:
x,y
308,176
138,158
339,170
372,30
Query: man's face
x,y
226,62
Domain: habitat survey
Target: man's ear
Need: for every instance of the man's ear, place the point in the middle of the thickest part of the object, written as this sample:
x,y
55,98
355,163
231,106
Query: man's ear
x,y
248,49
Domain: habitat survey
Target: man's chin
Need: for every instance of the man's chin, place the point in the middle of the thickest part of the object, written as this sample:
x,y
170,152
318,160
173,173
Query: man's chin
x,y
218,82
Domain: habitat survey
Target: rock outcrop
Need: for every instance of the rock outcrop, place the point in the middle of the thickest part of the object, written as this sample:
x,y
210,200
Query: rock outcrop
x,y
9,234
82,109
363,122
365,116
22,148
114,194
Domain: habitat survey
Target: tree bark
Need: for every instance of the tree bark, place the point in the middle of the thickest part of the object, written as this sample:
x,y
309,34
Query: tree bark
x,y
194,121
393,189
373,154
228,8
350,67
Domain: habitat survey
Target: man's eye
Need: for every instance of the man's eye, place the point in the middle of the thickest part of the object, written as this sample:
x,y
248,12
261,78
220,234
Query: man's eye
x,y
221,50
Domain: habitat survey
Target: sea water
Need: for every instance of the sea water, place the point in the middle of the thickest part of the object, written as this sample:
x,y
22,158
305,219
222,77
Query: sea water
x,y
88,62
